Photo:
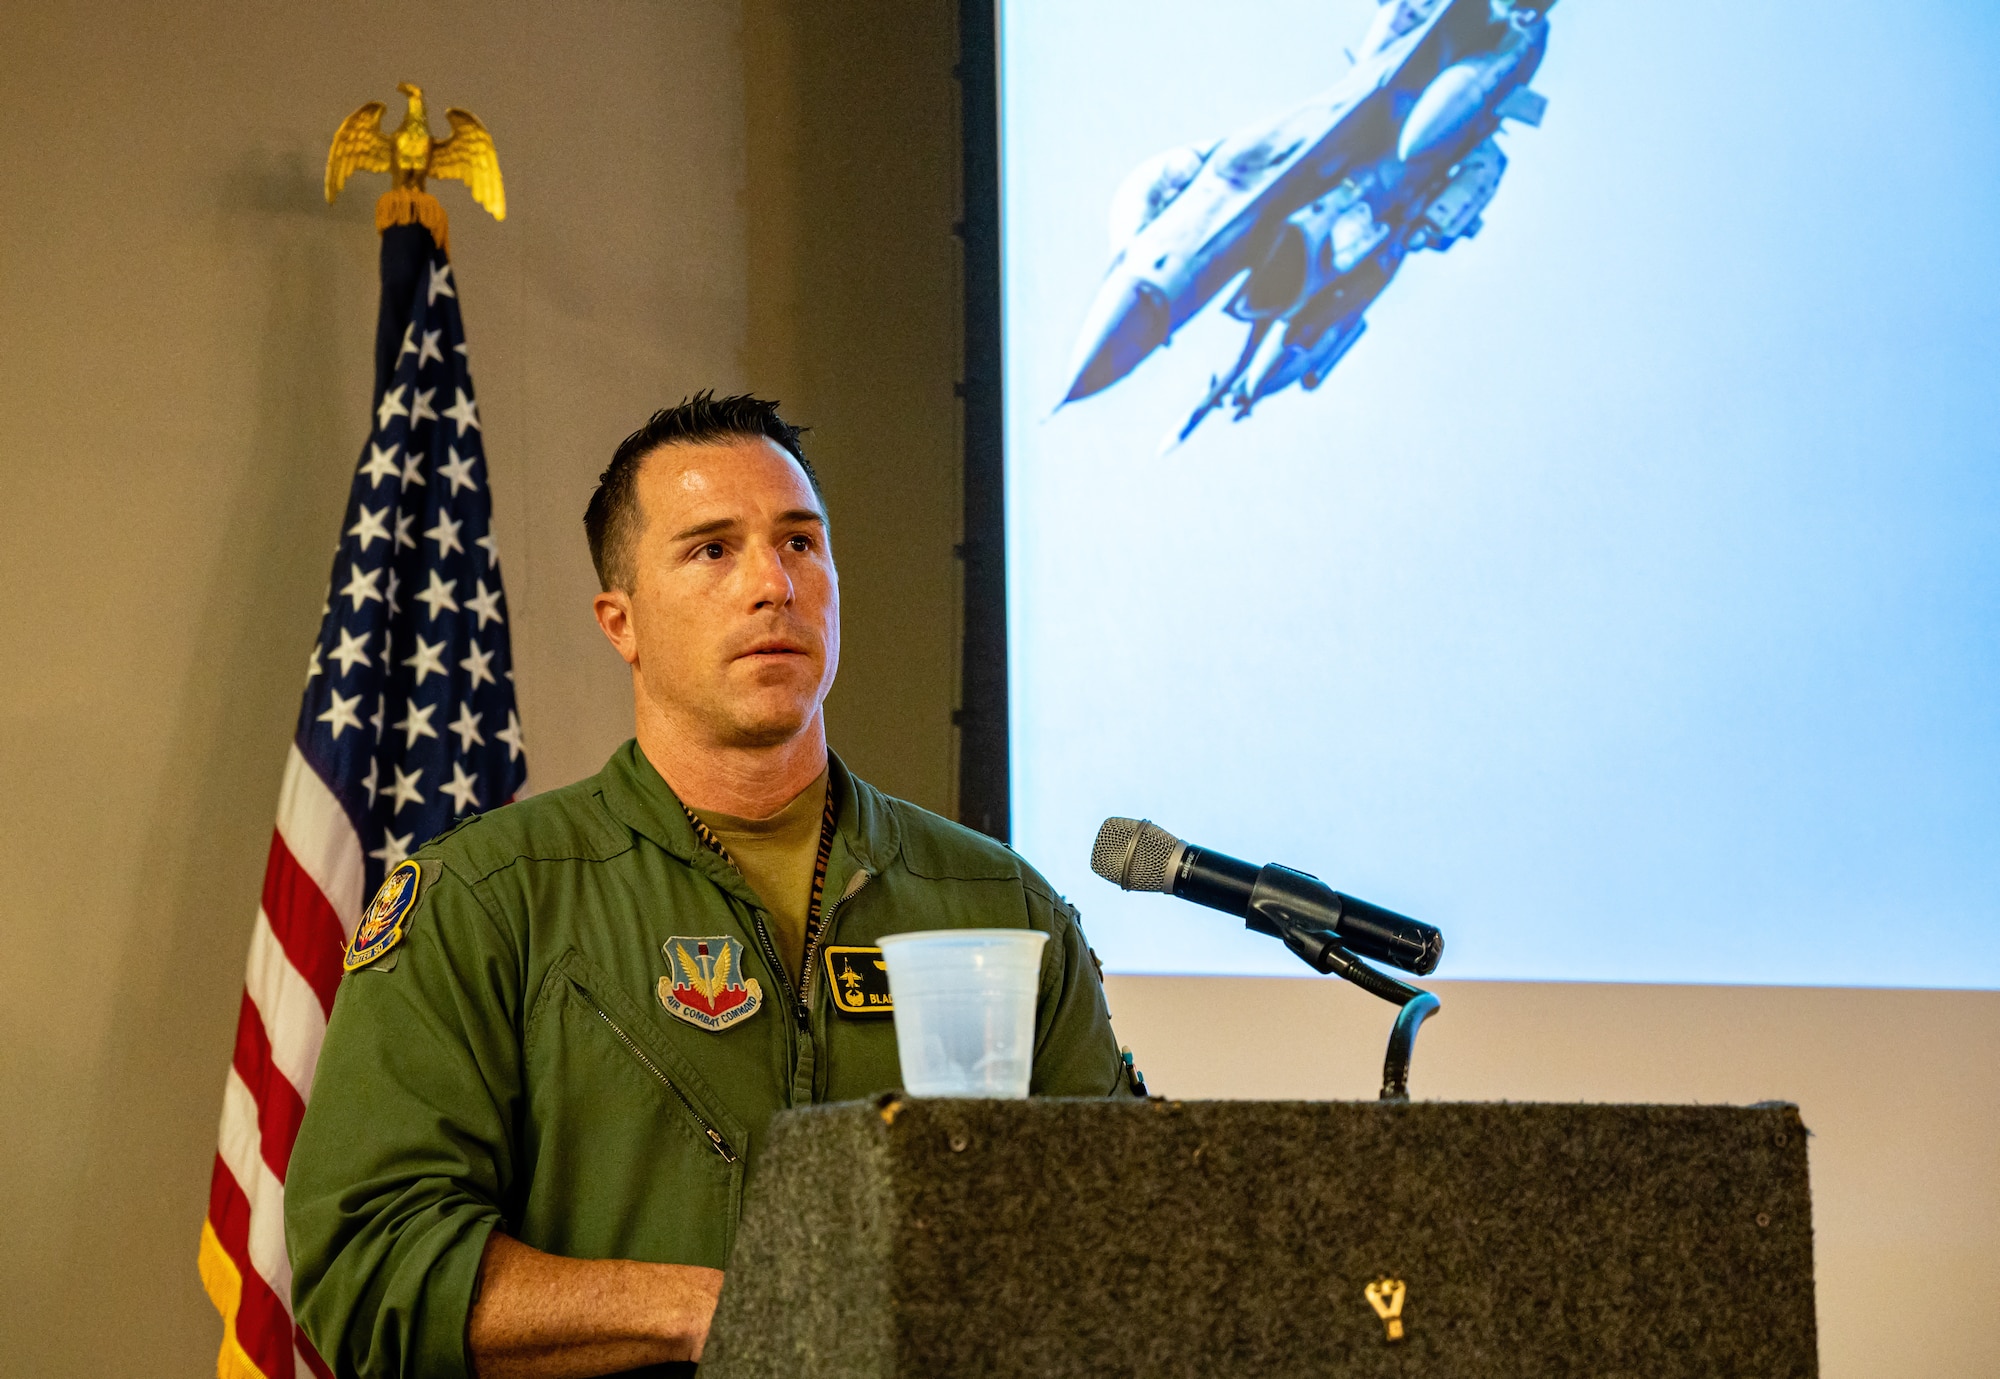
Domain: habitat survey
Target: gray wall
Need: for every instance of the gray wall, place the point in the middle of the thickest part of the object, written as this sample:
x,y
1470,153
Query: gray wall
x,y
754,194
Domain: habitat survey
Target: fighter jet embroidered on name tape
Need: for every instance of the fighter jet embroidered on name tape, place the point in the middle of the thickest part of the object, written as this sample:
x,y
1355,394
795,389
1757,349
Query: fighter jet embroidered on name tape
x,y
859,980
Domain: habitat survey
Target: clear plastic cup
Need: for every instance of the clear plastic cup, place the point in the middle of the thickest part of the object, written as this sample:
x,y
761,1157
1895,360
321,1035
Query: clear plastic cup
x,y
965,1009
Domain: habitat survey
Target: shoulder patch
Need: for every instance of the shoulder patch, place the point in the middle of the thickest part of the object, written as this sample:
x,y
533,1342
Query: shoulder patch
x,y
859,981
381,926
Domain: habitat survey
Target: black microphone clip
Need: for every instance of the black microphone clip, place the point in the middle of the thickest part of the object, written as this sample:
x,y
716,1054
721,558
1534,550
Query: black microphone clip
x,y
1283,900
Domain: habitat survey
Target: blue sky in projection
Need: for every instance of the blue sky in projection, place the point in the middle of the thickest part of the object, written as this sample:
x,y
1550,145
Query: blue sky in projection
x,y
1627,603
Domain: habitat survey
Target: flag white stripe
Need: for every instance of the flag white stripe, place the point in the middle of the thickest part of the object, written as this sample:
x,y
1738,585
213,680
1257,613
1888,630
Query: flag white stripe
x,y
294,1022
321,838
242,1152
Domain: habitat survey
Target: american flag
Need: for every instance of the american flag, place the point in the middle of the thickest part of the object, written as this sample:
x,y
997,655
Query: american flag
x,y
408,723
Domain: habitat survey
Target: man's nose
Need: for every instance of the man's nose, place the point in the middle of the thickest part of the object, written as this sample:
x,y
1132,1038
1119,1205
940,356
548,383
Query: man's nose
x,y
770,582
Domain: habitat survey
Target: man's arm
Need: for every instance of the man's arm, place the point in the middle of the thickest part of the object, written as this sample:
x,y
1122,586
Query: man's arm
x,y
1076,1054
541,1316
393,1200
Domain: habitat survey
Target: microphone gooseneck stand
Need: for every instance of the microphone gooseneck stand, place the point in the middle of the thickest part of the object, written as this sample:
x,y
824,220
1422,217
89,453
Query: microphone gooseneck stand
x,y
1320,949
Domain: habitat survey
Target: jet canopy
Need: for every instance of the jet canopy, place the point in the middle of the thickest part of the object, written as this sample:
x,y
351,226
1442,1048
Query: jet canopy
x,y
1148,188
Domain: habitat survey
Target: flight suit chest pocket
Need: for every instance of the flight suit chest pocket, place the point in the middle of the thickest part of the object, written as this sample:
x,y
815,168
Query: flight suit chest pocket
x,y
634,1156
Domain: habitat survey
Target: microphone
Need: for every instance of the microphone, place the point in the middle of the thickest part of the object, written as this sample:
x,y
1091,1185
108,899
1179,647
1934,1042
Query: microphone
x,y
1138,855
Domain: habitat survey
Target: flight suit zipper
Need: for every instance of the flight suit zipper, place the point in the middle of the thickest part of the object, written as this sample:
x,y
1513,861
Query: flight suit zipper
x,y
770,952
715,1140
816,940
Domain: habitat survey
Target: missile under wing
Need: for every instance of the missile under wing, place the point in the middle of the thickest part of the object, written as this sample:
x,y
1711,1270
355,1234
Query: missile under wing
x,y
1309,217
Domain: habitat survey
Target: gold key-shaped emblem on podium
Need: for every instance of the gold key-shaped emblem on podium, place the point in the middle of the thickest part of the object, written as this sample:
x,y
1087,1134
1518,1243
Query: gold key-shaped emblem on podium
x,y
1385,1295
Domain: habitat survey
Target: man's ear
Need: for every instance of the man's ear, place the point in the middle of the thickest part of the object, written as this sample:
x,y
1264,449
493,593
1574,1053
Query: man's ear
x,y
614,615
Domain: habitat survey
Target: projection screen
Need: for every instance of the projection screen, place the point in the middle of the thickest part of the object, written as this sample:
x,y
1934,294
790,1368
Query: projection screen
x,y
1535,467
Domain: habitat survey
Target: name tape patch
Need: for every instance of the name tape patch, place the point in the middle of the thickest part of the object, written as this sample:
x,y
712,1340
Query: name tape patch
x,y
860,981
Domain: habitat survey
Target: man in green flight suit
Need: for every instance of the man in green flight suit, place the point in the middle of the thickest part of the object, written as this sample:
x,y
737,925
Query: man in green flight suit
x,y
568,1022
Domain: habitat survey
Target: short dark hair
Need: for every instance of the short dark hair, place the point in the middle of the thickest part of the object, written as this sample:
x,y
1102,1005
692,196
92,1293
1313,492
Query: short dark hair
x,y
612,521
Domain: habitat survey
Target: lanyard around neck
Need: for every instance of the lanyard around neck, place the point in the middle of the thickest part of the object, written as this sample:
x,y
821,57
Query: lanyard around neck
x,y
814,919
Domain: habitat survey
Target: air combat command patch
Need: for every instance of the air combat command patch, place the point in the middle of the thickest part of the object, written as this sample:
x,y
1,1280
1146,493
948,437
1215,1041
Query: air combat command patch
x,y
860,981
381,928
705,985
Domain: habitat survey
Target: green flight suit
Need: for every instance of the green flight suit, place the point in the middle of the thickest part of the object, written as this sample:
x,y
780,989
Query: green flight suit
x,y
510,1062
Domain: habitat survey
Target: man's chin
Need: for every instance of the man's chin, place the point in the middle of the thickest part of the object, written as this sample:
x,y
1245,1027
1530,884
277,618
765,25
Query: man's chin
x,y
766,734
768,726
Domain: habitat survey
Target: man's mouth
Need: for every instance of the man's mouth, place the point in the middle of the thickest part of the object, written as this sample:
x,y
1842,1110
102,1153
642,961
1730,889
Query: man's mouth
x,y
773,648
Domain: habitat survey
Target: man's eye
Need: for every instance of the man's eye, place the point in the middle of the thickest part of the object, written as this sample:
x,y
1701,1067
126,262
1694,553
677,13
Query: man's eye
x,y
712,551
801,543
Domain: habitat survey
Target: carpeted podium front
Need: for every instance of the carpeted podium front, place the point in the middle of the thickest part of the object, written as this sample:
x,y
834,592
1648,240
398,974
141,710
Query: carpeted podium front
x,y
1058,1238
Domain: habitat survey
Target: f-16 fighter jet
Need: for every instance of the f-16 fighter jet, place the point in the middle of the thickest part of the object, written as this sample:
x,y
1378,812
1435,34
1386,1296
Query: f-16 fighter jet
x,y
1308,218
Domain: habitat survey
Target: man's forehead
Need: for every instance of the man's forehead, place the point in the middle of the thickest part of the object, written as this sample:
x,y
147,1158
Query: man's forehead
x,y
730,476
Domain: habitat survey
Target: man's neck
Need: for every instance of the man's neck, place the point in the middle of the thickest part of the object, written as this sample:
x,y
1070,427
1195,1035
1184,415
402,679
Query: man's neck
x,y
747,782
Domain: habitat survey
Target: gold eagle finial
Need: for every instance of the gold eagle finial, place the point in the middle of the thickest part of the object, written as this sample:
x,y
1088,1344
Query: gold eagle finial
x,y
411,156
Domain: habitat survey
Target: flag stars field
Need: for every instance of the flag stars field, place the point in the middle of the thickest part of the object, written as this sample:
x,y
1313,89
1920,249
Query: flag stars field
x,y
403,790
467,726
511,735
459,472
382,464
465,412
416,723
395,847
463,789
445,533
426,660
370,527
352,649
340,714
390,407
478,663
486,604
361,586
441,594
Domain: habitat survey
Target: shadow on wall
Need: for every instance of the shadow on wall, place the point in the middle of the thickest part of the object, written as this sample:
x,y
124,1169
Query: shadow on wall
x,y
146,1178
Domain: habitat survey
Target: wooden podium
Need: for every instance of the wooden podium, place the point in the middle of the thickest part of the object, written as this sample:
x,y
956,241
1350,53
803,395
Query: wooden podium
x,y
907,1237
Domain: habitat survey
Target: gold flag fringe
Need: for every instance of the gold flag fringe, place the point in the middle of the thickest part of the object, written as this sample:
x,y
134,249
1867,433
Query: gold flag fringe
x,y
408,206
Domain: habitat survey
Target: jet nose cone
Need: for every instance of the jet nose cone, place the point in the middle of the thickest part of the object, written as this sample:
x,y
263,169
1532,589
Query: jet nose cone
x,y
1127,322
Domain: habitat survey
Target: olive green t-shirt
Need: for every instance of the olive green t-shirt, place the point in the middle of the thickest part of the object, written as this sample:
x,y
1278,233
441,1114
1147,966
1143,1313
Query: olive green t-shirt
x,y
776,856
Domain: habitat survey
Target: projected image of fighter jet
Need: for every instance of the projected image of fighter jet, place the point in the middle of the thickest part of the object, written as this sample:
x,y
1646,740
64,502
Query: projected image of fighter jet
x,y
1308,217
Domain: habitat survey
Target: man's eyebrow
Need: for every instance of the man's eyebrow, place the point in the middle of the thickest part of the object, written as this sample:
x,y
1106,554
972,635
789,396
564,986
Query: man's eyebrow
x,y
723,524
720,524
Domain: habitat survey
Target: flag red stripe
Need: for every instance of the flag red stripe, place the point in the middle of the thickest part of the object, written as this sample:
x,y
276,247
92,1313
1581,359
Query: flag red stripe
x,y
263,1326
311,1357
304,921
279,1106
